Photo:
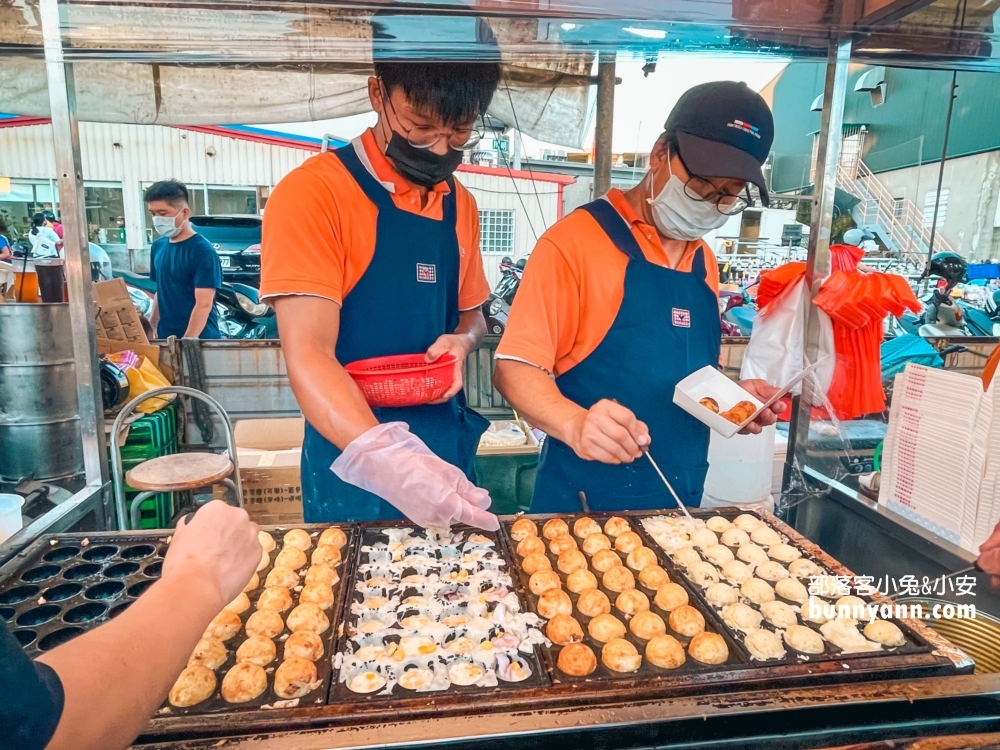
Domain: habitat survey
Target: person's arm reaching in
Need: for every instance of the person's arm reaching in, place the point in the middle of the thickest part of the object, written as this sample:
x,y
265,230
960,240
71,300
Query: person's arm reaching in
x,y
204,299
989,557
115,676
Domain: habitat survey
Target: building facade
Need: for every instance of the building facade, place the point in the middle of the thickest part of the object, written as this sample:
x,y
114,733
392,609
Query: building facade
x,y
893,138
229,170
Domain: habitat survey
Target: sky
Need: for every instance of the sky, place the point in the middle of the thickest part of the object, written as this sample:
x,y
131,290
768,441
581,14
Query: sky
x,y
641,103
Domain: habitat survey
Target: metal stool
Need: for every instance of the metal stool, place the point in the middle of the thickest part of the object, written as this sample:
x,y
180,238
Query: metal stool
x,y
173,473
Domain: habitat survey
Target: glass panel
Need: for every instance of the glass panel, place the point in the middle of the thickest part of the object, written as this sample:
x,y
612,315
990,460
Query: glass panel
x,y
888,182
105,215
232,201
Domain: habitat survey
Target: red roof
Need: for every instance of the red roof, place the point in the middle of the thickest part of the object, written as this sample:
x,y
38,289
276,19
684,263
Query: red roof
x,y
278,139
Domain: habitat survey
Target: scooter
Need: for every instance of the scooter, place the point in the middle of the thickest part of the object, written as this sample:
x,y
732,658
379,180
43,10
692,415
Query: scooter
x,y
241,313
738,314
497,307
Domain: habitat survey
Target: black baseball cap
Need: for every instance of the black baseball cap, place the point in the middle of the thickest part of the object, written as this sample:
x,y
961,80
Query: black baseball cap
x,y
724,129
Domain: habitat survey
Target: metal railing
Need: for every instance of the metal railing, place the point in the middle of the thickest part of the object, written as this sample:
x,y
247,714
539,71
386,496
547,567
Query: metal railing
x,y
900,219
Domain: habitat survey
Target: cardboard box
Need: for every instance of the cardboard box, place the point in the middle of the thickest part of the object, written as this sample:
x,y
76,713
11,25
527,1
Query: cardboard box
x,y
269,452
708,382
117,318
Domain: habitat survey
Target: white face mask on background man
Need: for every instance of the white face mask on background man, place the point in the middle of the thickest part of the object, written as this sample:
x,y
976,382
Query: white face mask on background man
x,y
166,226
679,216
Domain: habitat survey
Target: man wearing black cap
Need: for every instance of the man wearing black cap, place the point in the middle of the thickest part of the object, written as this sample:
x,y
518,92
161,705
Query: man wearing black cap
x,y
619,302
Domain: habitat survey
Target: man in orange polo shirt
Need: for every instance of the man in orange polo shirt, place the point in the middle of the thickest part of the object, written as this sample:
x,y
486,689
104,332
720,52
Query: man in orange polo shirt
x,y
373,250
619,302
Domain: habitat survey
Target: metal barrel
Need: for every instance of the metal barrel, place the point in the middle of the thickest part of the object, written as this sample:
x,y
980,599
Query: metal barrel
x,y
39,415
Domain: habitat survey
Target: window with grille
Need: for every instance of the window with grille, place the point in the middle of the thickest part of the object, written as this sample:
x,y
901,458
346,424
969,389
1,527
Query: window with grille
x,y
929,200
496,231
898,207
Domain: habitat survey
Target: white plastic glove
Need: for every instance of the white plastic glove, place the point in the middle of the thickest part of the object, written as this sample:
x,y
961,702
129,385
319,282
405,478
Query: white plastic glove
x,y
393,463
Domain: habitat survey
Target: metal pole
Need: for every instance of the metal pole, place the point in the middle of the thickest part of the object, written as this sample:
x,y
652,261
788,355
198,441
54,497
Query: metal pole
x,y
818,261
944,155
66,140
605,122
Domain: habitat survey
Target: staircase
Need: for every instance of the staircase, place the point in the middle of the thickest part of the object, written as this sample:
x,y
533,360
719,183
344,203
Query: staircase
x,y
899,224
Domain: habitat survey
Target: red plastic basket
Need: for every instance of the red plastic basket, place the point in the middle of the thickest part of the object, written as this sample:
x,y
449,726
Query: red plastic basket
x,y
403,379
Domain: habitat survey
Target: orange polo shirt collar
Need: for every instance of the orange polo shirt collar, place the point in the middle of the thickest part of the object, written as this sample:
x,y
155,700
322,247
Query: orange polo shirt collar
x,y
387,173
617,199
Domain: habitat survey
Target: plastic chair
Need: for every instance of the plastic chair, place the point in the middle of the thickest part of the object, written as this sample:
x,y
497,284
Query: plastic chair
x,y
176,472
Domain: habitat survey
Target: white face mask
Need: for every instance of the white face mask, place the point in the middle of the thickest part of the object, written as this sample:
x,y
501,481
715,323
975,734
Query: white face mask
x,y
678,215
166,226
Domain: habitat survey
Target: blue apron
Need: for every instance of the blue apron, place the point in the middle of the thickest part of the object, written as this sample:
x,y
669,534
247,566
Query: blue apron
x,y
667,327
405,300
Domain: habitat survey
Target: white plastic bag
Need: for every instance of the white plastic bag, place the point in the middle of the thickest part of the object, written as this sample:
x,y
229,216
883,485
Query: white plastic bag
x,y
503,434
776,352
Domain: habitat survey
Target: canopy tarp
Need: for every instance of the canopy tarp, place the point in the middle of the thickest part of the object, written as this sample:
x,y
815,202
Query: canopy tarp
x,y
195,66
240,61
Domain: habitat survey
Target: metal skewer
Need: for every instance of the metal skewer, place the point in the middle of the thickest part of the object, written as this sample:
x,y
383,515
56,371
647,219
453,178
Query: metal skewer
x,y
669,486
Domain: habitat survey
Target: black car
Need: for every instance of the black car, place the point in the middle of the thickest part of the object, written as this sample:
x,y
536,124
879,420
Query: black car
x,y
236,238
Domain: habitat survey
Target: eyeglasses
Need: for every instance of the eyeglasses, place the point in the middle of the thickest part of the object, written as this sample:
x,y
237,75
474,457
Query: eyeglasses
x,y
424,136
700,189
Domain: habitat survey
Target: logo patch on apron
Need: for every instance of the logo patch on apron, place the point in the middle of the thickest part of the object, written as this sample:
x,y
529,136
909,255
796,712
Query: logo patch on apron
x,y
681,318
427,273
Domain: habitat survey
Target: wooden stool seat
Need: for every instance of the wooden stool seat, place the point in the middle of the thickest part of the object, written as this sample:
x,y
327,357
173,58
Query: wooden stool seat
x,y
179,472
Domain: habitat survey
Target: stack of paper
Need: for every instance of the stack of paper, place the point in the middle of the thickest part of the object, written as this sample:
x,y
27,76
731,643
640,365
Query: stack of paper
x,y
989,510
941,459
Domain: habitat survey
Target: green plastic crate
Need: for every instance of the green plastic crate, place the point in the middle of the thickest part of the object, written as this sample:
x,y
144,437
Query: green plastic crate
x,y
154,513
157,510
153,432
151,436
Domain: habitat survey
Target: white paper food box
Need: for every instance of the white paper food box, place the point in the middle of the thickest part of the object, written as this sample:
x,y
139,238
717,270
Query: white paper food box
x,y
708,382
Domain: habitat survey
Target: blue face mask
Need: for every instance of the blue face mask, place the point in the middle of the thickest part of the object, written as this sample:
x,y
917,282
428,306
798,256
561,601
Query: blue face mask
x,y
679,216
166,226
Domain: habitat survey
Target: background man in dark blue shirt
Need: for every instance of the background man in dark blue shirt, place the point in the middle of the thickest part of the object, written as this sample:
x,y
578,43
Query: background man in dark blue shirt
x,y
186,269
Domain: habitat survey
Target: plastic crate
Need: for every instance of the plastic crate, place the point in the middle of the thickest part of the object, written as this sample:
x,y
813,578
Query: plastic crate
x,y
156,431
151,436
157,510
154,513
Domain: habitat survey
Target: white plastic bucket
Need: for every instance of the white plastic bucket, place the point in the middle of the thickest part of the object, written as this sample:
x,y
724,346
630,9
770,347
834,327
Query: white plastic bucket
x,y
10,515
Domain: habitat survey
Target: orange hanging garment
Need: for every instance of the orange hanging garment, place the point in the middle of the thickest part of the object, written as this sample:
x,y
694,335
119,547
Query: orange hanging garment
x,y
857,303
